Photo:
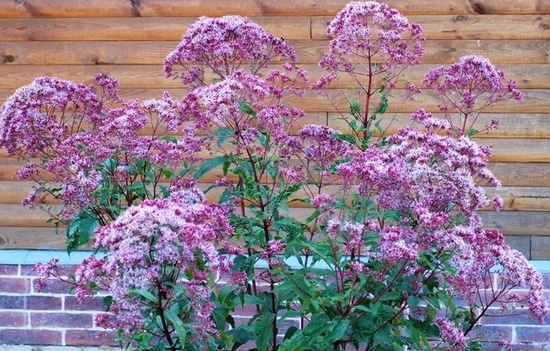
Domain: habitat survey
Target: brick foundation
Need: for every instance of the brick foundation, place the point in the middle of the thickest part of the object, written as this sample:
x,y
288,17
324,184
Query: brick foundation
x,y
55,318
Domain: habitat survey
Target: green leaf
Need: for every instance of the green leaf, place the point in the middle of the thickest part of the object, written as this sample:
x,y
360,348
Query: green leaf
x,y
147,295
245,107
314,215
209,165
241,335
179,328
223,134
339,328
80,230
107,302
169,138
263,329
225,166
355,109
344,137
290,332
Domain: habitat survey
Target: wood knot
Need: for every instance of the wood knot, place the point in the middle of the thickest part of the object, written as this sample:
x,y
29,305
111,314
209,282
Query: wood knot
x,y
452,49
546,26
8,58
476,7
460,18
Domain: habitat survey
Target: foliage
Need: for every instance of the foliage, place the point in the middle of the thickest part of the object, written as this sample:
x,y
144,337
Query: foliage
x,y
388,249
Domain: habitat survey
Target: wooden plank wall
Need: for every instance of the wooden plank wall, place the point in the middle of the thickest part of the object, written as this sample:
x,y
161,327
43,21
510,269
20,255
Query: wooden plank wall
x,y
130,38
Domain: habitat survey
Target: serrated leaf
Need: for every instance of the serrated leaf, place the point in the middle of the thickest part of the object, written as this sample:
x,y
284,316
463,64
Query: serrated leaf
x,y
339,329
179,328
314,215
80,230
209,165
245,107
344,137
263,327
147,295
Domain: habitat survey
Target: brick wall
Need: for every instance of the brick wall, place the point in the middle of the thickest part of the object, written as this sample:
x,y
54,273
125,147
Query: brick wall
x,y
55,318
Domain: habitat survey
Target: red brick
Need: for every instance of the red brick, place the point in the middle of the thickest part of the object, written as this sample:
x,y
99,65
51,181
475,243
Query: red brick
x,y
33,302
63,320
518,319
27,270
245,311
90,304
75,337
533,334
13,319
15,285
43,303
9,269
54,286
30,337
12,302
494,332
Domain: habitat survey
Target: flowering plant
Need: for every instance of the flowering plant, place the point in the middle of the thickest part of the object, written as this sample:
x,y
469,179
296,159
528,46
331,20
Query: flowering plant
x,y
382,247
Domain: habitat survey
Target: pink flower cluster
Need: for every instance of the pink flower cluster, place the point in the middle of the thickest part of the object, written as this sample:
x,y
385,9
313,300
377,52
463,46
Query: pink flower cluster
x,y
451,334
363,30
224,45
321,148
467,87
158,246
82,142
372,44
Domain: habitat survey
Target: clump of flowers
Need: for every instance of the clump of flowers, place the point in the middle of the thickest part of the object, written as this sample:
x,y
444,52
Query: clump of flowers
x,y
223,45
159,255
372,44
89,155
466,88
390,253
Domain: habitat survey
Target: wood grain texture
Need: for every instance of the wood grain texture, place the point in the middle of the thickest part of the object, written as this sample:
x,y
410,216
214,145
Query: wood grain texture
x,y
510,174
518,222
442,27
535,101
465,27
528,76
540,247
32,238
536,199
154,52
137,29
165,8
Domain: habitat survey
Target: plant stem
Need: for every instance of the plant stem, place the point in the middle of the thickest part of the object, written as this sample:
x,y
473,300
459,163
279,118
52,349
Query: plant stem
x,y
166,330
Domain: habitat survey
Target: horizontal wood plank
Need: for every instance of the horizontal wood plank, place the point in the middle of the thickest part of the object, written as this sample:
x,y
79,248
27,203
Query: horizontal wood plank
x,y
451,27
510,174
153,8
540,247
518,222
520,243
15,215
528,76
518,174
536,126
154,52
535,101
31,238
138,29
448,27
515,198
